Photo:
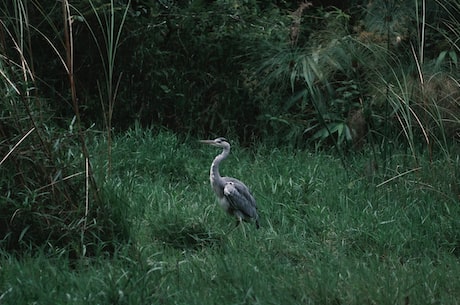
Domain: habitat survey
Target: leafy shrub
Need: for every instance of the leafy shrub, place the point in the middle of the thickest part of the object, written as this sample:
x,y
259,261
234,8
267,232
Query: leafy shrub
x,y
360,71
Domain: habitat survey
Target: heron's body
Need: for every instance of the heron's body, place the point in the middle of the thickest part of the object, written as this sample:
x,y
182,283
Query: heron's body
x,y
233,195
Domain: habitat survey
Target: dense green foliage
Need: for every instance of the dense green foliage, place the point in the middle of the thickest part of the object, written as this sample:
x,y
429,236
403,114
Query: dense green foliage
x,y
263,70
377,81
327,237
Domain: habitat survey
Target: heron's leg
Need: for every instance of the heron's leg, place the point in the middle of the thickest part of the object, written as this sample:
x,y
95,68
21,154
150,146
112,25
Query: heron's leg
x,y
239,220
233,228
244,230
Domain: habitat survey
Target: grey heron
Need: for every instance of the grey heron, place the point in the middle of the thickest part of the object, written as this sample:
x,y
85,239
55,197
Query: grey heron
x,y
233,195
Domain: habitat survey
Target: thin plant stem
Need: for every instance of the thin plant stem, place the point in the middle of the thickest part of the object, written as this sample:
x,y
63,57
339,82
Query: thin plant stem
x,y
16,145
385,145
68,38
112,36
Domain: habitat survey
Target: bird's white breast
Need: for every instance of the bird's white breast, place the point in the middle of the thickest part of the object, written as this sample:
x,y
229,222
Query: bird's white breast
x,y
223,202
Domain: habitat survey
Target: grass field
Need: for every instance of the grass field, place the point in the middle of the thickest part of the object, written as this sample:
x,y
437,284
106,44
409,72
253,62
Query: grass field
x,y
329,234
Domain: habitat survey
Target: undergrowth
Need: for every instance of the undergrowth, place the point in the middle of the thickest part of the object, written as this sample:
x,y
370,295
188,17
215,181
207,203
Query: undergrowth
x,y
329,234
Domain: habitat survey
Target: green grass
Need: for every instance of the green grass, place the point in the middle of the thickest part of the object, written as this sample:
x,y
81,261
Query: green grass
x,y
329,235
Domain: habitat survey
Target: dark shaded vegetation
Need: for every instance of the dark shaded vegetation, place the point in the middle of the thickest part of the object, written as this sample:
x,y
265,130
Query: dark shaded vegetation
x,y
378,76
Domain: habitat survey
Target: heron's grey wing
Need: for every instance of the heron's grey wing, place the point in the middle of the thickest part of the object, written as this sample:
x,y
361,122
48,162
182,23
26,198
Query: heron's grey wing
x,y
240,198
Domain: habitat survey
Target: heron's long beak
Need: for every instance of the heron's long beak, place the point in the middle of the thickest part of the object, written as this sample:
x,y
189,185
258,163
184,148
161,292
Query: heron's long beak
x,y
209,142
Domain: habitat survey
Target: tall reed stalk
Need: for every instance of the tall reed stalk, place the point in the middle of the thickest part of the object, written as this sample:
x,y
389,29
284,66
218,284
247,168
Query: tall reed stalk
x,y
111,32
69,66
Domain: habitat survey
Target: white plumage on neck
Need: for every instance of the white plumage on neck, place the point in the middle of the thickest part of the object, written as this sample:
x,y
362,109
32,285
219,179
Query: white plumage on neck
x,y
214,174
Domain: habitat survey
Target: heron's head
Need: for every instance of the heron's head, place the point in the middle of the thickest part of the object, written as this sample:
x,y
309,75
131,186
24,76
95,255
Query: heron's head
x,y
218,142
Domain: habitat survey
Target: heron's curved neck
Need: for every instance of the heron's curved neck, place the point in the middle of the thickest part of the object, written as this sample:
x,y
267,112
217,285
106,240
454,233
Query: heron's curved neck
x,y
214,172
